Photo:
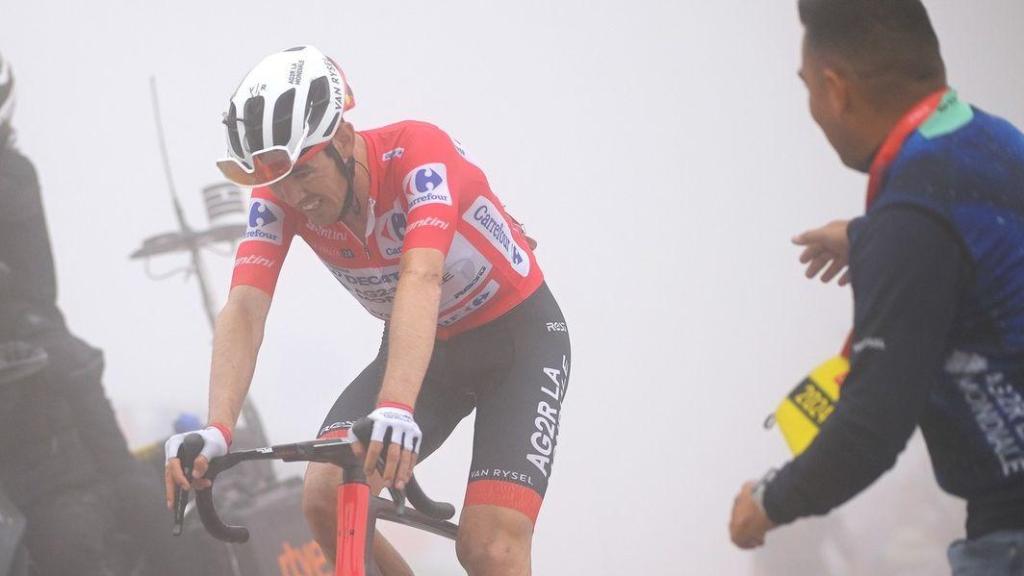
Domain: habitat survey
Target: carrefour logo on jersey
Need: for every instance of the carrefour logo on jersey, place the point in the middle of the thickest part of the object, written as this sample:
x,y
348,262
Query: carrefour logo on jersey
x,y
427,184
266,221
485,217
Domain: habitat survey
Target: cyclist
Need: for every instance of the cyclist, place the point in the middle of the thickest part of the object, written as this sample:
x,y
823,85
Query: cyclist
x,y
937,271
410,227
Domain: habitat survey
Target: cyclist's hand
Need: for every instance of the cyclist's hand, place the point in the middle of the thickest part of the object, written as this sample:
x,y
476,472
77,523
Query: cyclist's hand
x,y
394,421
826,248
214,444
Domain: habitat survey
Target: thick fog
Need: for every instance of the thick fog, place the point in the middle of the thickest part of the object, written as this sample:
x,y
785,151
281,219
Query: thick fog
x,y
662,154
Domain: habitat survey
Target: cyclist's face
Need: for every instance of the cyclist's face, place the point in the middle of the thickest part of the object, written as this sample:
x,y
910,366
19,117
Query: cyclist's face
x,y
315,188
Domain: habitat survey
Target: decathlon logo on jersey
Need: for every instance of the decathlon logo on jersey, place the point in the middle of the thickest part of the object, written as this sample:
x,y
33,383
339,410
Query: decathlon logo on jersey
x,y
485,217
427,184
266,221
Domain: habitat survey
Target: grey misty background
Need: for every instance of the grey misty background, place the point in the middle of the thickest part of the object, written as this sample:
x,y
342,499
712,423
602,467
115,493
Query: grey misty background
x,y
662,154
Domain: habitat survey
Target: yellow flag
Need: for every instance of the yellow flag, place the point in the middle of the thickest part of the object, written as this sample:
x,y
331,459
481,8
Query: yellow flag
x,y
806,408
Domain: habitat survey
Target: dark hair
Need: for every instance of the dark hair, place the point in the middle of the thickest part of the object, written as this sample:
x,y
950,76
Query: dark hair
x,y
875,38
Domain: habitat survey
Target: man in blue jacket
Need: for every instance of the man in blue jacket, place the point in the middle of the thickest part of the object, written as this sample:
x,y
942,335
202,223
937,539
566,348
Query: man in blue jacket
x,y
937,267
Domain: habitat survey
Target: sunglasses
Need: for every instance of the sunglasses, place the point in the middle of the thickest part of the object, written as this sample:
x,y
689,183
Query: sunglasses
x,y
268,166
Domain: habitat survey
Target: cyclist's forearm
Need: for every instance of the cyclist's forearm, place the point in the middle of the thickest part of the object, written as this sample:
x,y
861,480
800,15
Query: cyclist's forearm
x,y
236,343
412,333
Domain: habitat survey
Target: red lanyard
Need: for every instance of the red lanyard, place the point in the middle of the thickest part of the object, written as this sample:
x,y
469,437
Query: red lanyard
x,y
894,142
890,149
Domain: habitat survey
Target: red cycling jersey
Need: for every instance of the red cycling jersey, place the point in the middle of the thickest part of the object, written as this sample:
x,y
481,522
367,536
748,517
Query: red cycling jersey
x,y
424,193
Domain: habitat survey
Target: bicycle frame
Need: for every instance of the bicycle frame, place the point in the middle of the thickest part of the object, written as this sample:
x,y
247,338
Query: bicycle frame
x,y
355,529
357,509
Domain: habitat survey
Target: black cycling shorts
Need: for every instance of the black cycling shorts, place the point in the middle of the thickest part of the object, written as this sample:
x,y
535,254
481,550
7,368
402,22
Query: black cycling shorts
x,y
514,371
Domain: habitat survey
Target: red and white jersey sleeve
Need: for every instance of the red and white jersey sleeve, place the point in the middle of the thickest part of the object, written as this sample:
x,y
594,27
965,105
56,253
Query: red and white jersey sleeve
x,y
489,267
434,180
269,233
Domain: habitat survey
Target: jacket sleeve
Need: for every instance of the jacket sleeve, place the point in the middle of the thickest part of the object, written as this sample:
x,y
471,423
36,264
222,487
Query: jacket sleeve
x,y
908,271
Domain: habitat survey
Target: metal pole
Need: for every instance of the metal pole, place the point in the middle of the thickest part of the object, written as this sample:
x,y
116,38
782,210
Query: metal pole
x,y
193,246
249,413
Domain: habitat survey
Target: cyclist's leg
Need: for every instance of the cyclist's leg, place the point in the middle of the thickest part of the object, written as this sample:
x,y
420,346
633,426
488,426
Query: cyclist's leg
x,y
518,411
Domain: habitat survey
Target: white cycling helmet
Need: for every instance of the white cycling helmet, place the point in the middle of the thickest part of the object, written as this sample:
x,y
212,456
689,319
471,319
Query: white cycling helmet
x,y
286,109
6,92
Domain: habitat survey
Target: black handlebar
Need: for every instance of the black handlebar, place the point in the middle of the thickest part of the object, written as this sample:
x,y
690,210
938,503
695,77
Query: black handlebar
x,y
338,452
423,503
212,522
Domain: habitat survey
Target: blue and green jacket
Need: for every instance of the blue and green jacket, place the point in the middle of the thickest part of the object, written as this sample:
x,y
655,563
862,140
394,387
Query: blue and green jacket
x,y
937,267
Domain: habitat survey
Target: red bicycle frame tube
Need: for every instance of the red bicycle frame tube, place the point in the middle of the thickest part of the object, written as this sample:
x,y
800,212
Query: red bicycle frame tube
x,y
352,544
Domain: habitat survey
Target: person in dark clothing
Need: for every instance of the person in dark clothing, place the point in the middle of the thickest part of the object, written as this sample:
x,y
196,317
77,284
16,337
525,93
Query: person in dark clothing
x,y
57,428
937,271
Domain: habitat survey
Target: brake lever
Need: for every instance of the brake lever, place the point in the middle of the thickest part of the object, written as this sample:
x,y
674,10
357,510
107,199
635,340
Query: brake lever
x,y
190,448
398,496
362,430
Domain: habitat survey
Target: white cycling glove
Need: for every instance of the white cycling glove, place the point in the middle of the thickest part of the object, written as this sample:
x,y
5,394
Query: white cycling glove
x,y
398,419
215,442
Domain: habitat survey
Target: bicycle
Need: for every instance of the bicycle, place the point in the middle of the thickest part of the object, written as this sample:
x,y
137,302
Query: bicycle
x,y
358,510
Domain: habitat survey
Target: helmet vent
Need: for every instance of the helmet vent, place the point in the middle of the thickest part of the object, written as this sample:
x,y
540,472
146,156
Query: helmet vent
x,y
317,99
283,118
330,127
252,117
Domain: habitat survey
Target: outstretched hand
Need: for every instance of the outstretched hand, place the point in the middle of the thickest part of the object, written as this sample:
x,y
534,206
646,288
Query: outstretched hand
x,y
826,248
